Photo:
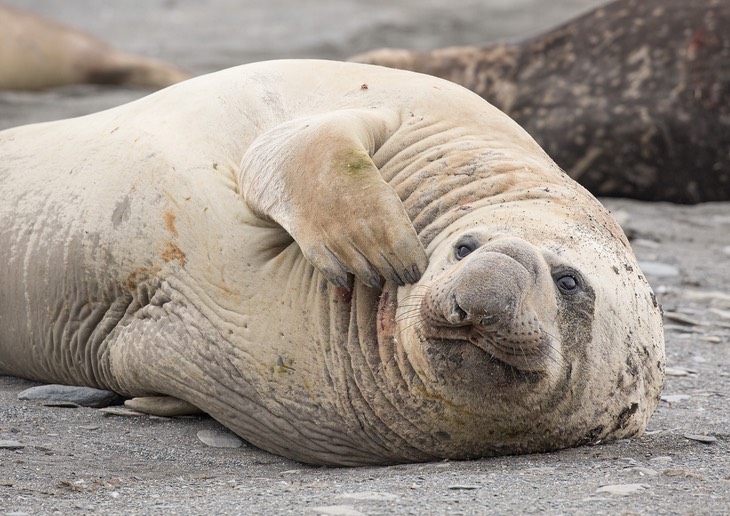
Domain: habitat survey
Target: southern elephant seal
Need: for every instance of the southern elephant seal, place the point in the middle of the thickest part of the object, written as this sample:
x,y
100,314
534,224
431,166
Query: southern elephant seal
x,y
36,54
181,244
632,99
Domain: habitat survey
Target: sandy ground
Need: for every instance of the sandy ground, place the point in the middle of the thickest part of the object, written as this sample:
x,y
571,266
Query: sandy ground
x,y
79,461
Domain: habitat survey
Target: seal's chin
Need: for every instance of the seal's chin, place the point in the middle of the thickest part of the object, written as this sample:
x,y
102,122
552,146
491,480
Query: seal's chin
x,y
503,350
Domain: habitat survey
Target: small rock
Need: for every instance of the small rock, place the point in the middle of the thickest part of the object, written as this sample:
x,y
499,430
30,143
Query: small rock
x,y
645,242
622,489
89,427
680,328
61,404
713,339
679,371
706,439
674,398
644,472
681,319
463,487
291,472
338,510
219,439
120,411
684,473
11,445
81,396
658,270
369,495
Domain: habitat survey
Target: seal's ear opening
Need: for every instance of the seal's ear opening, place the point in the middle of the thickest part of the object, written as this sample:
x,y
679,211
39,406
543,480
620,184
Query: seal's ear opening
x,y
314,176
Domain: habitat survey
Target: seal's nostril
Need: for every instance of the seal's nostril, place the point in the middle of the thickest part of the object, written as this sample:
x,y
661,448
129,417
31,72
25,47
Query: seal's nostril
x,y
460,313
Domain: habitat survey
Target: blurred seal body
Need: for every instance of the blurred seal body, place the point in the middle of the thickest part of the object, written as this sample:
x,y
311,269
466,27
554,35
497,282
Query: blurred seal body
x,y
37,54
197,244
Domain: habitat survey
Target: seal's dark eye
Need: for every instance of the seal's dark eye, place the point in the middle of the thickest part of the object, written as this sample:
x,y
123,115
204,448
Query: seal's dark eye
x,y
568,284
463,250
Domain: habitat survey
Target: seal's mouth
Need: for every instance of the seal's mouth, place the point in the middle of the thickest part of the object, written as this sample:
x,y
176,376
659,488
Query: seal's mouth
x,y
503,350
501,374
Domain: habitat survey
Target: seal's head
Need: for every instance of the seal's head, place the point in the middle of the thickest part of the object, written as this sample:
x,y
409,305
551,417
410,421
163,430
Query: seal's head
x,y
532,327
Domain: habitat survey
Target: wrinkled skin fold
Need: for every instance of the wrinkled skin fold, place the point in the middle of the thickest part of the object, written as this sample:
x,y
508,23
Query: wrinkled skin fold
x,y
343,264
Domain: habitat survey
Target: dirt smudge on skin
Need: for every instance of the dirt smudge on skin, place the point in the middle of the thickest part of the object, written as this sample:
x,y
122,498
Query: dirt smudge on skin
x,y
170,222
173,252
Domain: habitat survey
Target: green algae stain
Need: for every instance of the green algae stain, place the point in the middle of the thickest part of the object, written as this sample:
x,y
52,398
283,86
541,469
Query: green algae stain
x,y
356,163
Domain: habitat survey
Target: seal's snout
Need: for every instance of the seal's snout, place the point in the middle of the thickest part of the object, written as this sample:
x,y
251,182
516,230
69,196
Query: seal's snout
x,y
487,290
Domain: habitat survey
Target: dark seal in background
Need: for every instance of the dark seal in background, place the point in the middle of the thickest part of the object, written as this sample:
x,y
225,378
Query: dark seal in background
x,y
632,99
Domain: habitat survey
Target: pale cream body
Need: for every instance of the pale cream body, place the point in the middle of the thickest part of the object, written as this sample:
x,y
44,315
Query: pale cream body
x,y
143,251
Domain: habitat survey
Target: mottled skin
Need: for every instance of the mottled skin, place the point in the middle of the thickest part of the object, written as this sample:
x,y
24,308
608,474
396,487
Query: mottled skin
x,y
632,99
181,245
37,54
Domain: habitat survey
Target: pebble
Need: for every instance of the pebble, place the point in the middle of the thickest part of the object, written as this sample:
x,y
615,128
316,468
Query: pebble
x,y
706,439
370,495
61,404
61,395
219,439
11,445
681,319
644,472
674,398
463,487
121,411
684,473
645,242
338,510
622,489
658,269
679,371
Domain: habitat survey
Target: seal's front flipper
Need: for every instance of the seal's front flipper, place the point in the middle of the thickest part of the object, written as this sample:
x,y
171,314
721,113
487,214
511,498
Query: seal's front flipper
x,y
314,176
166,406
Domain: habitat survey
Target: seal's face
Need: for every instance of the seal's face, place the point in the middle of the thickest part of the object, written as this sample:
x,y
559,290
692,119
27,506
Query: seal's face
x,y
503,295
527,323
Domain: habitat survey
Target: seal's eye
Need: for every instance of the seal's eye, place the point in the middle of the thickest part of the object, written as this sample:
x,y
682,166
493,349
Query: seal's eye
x,y
567,284
463,250
466,245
